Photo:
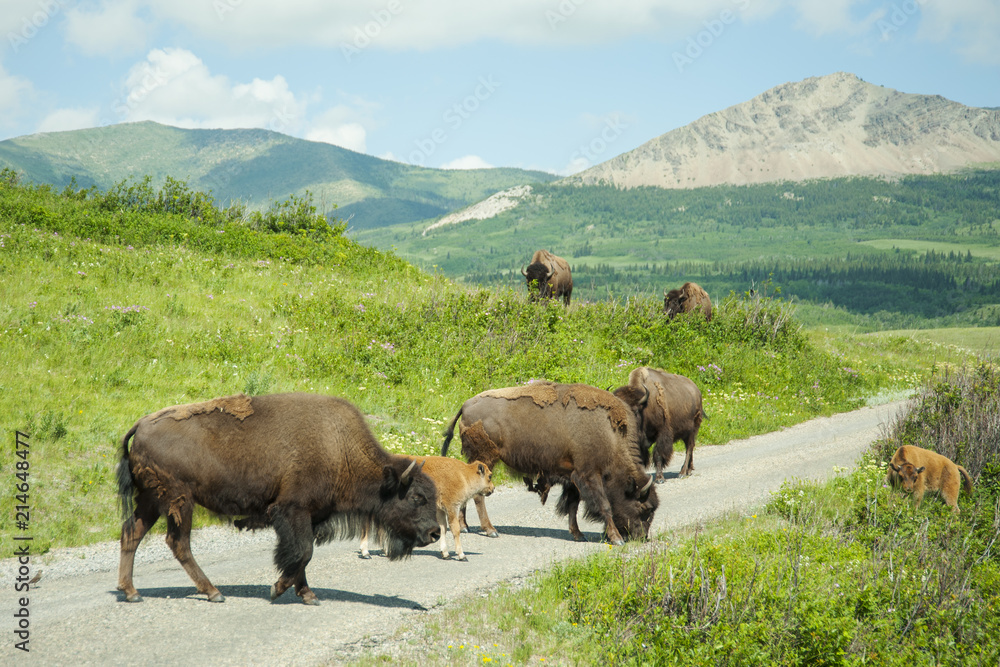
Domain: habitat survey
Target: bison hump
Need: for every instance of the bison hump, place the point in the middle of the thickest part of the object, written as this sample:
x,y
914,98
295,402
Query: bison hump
x,y
237,405
542,393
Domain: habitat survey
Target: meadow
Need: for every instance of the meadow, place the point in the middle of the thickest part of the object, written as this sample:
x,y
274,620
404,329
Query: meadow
x,y
117,304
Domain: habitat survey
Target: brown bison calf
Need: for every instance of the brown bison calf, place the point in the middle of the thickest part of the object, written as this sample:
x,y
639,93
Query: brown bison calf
x,y
919,470
456,483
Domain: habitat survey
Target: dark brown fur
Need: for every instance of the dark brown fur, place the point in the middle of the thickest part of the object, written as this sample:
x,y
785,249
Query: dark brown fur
x,y
305,464
551,274
919,470
673,412
580,445
689,298
456,482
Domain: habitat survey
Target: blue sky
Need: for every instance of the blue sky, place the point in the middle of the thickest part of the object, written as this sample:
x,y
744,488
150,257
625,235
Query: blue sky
x,y
556,85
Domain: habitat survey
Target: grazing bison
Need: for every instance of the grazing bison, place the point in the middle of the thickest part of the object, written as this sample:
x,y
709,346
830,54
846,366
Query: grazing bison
x,y
578,436
551,275
673,412
689,298
305,464
456,483
919,470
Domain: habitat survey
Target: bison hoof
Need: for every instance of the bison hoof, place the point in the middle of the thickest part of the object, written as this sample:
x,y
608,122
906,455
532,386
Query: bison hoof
x,y
660,480
619,542
578,537
364,555
492,533
310,600
445,556
274,592
133,598
463,558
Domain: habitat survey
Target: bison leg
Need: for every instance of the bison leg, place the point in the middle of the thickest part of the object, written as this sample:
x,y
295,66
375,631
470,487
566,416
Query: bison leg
x,y
688,466
179,541
484,519
593,495
364,541
294,551
569,504
133,530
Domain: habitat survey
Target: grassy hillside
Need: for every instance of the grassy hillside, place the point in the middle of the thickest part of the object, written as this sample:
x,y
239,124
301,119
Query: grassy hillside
x,y
917,252
255,166
112,307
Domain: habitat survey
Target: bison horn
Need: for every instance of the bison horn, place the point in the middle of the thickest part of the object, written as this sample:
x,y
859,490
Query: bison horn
x,y
523,272
893,466
405,479
644,491
551,271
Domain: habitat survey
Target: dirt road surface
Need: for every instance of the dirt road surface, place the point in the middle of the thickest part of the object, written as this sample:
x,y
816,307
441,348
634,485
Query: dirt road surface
x,y
77,616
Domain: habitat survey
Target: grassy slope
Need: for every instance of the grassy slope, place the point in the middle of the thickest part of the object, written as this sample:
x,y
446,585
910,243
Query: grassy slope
x,y
255,166
655,239
107,316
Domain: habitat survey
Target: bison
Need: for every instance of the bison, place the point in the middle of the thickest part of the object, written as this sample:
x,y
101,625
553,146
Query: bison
x,y
673,412
308,465
551,275
456,483
575,435
919,470
689,298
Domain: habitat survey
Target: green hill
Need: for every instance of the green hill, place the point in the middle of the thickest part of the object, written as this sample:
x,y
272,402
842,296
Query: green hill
x,y
914,252
256,166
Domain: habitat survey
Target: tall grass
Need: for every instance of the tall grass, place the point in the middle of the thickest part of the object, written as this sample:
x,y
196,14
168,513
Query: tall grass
x,y
110,312
843,573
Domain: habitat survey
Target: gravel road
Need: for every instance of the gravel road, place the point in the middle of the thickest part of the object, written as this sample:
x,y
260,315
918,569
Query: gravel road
x,y
77,616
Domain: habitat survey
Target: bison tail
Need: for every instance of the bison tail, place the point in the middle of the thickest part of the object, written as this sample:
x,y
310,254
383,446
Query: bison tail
x,y
450,433
966,479
126,483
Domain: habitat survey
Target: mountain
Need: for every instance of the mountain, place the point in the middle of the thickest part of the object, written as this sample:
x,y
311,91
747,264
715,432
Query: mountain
x,y
823,127
257,166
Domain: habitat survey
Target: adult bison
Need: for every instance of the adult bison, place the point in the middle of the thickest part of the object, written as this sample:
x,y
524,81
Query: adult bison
x,y
305,464
575,435
689,298
551,275
673,412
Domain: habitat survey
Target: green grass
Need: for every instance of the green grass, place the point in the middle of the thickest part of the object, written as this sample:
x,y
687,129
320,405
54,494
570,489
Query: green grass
x,y
981,341
841,573
110,313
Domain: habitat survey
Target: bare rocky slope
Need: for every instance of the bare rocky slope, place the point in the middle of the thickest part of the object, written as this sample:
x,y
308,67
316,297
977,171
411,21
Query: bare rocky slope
x,y
823,127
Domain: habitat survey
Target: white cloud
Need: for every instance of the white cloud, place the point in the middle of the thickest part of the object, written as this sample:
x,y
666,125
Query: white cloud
x,y
971,24
21,20
63,120
467,162
822,17
348,135
174,87
15,91
113,28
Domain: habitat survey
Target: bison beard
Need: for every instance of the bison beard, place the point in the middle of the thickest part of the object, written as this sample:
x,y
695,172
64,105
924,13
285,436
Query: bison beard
x,y
306,465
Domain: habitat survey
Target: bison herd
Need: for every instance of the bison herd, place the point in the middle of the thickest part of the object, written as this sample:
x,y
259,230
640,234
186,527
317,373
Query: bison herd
x,y
548,277
309,467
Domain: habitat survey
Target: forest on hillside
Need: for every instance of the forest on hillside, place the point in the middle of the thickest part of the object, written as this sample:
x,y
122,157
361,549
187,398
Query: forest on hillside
x,y
916,252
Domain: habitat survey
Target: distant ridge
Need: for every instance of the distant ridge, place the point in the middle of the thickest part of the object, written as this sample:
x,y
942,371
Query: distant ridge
x,y
257,166
822,127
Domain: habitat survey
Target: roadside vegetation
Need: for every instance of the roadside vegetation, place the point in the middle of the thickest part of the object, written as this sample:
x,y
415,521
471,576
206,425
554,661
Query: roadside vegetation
x,y
117,304
841,573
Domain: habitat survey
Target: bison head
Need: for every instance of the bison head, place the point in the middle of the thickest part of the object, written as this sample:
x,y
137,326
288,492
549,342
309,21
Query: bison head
x,y
538,274
633,506
907,474
406,515
673,302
